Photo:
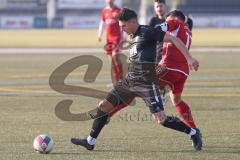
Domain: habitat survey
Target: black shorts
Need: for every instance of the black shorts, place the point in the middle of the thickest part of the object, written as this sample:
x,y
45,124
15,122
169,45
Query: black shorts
x,y
126,90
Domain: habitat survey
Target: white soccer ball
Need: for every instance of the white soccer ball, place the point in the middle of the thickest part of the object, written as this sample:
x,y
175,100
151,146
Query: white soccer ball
x,y
43,144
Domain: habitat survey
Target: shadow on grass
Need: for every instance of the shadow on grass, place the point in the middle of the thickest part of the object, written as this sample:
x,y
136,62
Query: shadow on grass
x,y
206,149
222,149
70,153
140,151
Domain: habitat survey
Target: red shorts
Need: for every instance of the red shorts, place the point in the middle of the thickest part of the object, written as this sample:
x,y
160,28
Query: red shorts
x,y
174,79
112,45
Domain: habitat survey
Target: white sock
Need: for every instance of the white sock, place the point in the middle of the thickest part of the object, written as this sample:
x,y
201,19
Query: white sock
x,y
192,132
91,140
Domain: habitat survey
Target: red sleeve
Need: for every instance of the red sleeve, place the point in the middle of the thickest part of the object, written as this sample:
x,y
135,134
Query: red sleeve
x,y
119,9
172,24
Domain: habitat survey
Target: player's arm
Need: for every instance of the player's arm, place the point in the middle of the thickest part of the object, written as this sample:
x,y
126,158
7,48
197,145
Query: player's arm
x,y
102,26
162,36
101,30
192,62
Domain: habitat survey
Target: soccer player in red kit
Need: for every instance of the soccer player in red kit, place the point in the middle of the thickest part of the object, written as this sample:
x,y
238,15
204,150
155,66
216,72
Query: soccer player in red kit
x,y
113,35
176,68
173,70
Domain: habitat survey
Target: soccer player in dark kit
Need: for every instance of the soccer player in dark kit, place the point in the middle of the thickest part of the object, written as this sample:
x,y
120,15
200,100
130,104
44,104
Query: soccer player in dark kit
x,y
161,9
140,80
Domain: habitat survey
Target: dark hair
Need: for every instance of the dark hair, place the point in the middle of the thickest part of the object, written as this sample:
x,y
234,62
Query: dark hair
x,y
190,23
176,13
127,14
160,1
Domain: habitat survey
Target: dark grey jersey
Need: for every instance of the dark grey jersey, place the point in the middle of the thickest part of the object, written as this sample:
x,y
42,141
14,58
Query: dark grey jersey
x,y
154,22
143,53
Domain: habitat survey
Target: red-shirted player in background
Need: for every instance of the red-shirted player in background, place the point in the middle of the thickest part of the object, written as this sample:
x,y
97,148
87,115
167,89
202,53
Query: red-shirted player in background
x,y
113,37
177,66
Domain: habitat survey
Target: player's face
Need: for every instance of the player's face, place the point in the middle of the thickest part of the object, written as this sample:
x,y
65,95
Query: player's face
x,y
109,1
128,26
169,18
160,9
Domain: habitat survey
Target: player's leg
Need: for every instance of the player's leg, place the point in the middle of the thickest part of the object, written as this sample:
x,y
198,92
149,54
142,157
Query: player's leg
x,y
176,97
119,107
118,96
116,61
113,71
152,98
176,124
109,47
176,80
183,109
112,51
117,66
98,123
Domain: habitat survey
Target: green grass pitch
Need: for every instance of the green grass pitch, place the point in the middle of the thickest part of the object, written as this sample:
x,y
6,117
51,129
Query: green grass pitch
x,y
27,107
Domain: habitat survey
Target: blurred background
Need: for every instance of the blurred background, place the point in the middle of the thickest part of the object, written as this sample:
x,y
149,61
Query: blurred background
x,y
16,14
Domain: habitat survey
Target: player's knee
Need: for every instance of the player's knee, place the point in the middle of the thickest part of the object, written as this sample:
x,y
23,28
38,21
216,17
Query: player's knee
x,y
176,100
105,106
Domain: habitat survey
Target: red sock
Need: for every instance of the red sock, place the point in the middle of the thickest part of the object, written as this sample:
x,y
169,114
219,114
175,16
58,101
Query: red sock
x,y
117,71
119,107
114,73
185,113
120,71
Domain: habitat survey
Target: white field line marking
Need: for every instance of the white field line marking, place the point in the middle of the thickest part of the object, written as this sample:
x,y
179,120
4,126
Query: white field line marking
x,y
99,50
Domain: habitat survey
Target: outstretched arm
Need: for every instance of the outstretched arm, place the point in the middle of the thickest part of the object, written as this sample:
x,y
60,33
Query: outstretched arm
x,y
192,62
101,30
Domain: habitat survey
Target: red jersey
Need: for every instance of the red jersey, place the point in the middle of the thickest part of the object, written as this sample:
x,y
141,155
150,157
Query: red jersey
x,y
171,56
109,16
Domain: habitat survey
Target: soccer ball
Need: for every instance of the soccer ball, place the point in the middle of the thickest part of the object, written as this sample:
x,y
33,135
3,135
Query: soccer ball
x,y
43,144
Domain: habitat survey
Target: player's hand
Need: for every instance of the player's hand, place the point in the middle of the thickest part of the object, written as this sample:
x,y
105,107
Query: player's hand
x,y
193,63
99,39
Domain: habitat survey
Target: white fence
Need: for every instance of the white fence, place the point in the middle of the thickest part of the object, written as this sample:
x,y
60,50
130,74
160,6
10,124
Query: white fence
x,y
16,22
13,22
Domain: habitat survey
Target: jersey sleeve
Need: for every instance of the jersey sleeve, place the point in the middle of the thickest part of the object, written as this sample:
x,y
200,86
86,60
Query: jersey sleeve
x,y
172,24
163,26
